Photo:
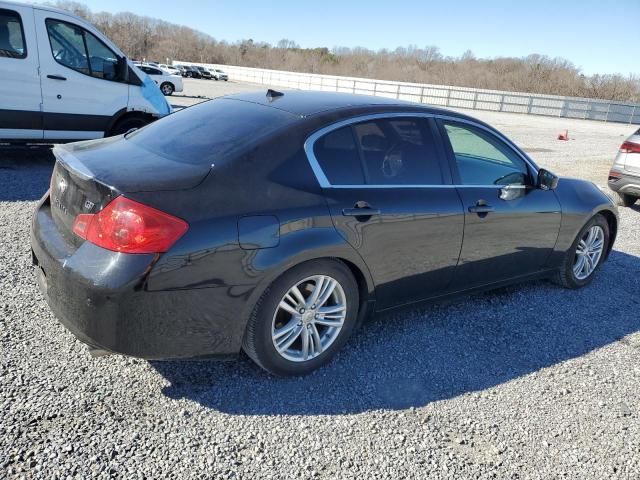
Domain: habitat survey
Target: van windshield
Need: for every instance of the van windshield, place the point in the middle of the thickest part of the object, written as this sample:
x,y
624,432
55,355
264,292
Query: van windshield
x,y
210,132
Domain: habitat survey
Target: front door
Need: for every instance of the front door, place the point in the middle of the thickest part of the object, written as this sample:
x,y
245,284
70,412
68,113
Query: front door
x,y
20,95
79,87
511,226
391,200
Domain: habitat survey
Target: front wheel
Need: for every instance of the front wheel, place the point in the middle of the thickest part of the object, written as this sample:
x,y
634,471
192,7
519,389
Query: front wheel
x,y
586,255
303,318
127,124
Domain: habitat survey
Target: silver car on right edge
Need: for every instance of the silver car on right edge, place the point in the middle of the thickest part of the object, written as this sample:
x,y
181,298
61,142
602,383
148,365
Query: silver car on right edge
x,y
624,177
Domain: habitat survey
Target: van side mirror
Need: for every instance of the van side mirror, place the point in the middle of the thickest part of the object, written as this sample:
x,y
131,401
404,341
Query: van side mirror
x,y
122,70
547,180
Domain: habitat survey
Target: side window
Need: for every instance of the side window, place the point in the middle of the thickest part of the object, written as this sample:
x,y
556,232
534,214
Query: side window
x,y
483,159
74,47
12,42
398,151
338,157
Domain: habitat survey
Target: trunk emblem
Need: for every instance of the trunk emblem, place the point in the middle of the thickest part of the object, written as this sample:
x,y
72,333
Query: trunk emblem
x,y
62,185
88,205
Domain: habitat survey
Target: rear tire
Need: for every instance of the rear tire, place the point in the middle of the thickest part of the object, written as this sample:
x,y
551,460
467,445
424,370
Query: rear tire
x,y
167,89
627,200
570,275
306,339
126,124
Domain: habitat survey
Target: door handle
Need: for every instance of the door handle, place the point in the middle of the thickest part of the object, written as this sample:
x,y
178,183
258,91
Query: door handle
x,y
361,209
481,207
56,77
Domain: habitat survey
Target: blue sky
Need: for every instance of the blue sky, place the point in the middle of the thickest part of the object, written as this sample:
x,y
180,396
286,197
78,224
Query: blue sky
x,y
598,36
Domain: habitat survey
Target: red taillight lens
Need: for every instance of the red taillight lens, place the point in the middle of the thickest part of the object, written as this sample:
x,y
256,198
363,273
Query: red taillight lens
x,y
130,227
630,147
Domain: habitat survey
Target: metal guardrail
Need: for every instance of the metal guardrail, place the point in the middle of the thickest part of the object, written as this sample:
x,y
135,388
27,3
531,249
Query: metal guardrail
x,y
441,95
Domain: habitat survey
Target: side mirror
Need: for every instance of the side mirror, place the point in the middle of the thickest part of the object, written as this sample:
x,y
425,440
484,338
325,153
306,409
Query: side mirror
x,y
547,180
122,70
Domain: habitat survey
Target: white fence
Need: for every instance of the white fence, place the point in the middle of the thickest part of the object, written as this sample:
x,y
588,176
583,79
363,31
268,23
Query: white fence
x,y
441,95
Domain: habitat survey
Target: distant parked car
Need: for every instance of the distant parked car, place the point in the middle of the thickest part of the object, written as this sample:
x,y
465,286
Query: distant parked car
x,y
358,204
624,177
219,74
192,72
167,82
205,73
169,68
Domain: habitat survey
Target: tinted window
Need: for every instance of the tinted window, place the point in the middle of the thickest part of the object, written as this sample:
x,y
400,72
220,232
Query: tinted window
x,y
12,44
483,159
398,151
74,47
338,157
210,132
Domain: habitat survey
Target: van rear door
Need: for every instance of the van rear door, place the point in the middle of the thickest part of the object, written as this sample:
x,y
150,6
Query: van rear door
x,y
20,95
79,70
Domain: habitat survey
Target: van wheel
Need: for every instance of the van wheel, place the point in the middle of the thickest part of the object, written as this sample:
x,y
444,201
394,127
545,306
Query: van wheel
x,y
167,89
303,318
126,124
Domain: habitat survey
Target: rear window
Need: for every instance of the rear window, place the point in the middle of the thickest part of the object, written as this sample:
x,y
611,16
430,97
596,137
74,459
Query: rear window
x,y
210,132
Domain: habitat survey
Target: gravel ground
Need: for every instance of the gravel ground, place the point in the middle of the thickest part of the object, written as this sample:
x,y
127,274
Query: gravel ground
x,y
529,381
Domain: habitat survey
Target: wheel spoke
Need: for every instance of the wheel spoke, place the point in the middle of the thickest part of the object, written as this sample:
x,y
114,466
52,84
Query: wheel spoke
x,y
286,329
317,290
295,291
305,343
287,308
315,335
328,289
329,322
332,310
577,268
285,343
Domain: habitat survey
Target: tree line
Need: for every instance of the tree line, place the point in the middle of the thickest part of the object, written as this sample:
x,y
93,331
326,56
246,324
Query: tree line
x,y
148,38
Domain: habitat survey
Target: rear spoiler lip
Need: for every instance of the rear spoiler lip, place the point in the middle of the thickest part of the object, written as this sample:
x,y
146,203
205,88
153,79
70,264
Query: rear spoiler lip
x,y
69,160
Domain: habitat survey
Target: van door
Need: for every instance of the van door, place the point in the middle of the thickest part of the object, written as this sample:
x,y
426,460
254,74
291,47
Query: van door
x,y
80,90
20,94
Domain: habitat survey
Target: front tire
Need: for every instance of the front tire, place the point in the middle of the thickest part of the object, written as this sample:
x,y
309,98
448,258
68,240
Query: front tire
x,y
127,124
627,200
303,318
586,254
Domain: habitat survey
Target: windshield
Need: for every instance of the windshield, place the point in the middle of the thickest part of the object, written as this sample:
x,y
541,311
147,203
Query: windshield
x,y
210,132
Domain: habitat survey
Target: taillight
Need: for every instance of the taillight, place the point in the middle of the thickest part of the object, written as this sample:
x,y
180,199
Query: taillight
x,y
614,175
130,227
630,147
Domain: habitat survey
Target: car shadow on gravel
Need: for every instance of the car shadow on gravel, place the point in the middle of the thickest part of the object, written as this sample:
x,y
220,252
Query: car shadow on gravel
x,y
414,358
25,172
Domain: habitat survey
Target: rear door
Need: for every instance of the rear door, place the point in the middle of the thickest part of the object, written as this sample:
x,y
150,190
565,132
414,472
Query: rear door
x,y
511,226
80,93
393,201
20,94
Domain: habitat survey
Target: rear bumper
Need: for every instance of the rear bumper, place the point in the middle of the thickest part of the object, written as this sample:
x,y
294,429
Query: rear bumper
x,y
627,183
100,296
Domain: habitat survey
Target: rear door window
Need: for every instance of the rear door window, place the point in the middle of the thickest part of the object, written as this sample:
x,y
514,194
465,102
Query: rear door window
x,y
398,151
12,42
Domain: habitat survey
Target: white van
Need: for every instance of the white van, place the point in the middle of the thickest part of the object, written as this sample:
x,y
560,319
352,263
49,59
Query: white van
x,y
61,79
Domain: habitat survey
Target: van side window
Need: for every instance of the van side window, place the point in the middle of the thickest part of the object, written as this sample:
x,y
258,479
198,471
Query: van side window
x,y
74,47
12,42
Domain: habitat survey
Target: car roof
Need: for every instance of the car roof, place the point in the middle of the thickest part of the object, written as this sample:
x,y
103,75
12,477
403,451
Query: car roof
x,y
309,103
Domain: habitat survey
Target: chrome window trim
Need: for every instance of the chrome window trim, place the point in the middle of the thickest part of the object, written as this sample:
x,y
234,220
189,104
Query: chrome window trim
x,y
324,181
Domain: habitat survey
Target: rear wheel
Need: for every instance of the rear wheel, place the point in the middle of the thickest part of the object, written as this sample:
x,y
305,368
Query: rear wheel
x,y
303,318
167,89
126,124
586,254
626,199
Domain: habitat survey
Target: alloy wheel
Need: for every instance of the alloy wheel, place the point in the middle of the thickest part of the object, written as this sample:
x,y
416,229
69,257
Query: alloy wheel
x,y
588,252
309,318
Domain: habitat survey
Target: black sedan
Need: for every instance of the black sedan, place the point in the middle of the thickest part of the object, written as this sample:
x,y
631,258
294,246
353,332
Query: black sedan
x,y
275,223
